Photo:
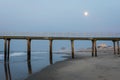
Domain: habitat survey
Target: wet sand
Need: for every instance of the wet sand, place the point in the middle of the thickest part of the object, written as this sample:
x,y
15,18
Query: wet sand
x,y
84,67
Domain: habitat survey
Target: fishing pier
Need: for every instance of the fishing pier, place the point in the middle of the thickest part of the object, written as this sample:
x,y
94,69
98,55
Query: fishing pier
x,y
93,40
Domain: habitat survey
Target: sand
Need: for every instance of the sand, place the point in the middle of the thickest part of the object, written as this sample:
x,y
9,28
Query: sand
x,y
84,67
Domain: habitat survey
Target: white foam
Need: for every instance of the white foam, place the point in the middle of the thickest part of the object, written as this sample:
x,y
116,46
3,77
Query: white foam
x,y
17,54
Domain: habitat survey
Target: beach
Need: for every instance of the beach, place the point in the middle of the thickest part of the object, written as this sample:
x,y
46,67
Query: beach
x,y
83,67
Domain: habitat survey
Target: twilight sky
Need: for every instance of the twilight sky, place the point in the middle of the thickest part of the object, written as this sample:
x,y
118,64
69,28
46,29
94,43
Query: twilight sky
x,y
59,16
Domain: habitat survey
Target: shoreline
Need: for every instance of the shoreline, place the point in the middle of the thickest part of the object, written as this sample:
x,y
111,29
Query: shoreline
x,y
84,67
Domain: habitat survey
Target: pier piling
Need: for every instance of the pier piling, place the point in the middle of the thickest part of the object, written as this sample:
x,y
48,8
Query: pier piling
x,y
114,46
8,56
118,48
94,48
28,49
50,56
5,50
72,47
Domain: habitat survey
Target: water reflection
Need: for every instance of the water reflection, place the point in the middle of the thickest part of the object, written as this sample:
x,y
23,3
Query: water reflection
x,y
7,70
29,67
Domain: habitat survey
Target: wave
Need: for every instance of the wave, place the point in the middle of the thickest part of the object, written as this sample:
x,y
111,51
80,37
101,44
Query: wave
x,y
33,53
17,54
20,54
13,54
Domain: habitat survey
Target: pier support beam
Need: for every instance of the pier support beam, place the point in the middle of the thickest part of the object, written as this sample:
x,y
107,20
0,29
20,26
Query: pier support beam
x,y
94,48
118,48
114,46
72,47
5,50
28,49
50,56
8,56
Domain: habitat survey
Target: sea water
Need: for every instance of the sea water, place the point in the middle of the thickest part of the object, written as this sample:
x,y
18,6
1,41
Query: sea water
x,y
18,68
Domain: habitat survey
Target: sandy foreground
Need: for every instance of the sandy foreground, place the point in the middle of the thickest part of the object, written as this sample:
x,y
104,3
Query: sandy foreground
x,y
84,67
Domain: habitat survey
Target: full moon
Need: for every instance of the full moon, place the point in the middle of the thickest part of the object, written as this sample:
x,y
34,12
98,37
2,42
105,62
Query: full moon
x,y
86,13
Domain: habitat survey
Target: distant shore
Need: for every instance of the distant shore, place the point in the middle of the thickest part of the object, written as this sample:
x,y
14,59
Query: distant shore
x,y
83,67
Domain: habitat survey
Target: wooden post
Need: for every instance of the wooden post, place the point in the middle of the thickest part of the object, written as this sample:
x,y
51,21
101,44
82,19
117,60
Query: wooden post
x,y
95,48
114,46
8,56
50,56
92,48
118,47
72,47
28,49
5,50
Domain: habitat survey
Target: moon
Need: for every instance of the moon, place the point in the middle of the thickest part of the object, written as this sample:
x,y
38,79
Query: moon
x,y
86,13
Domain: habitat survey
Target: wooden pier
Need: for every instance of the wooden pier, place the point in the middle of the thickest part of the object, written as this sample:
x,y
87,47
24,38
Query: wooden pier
x,y
7,40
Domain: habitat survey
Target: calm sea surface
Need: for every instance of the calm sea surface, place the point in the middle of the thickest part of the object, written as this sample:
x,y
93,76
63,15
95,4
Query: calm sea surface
x,y
18,68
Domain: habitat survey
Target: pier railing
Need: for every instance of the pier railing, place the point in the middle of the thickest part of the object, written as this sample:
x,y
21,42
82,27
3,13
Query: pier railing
x,y
60,34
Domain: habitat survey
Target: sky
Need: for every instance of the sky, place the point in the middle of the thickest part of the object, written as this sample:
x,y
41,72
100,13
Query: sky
x,y
59,16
